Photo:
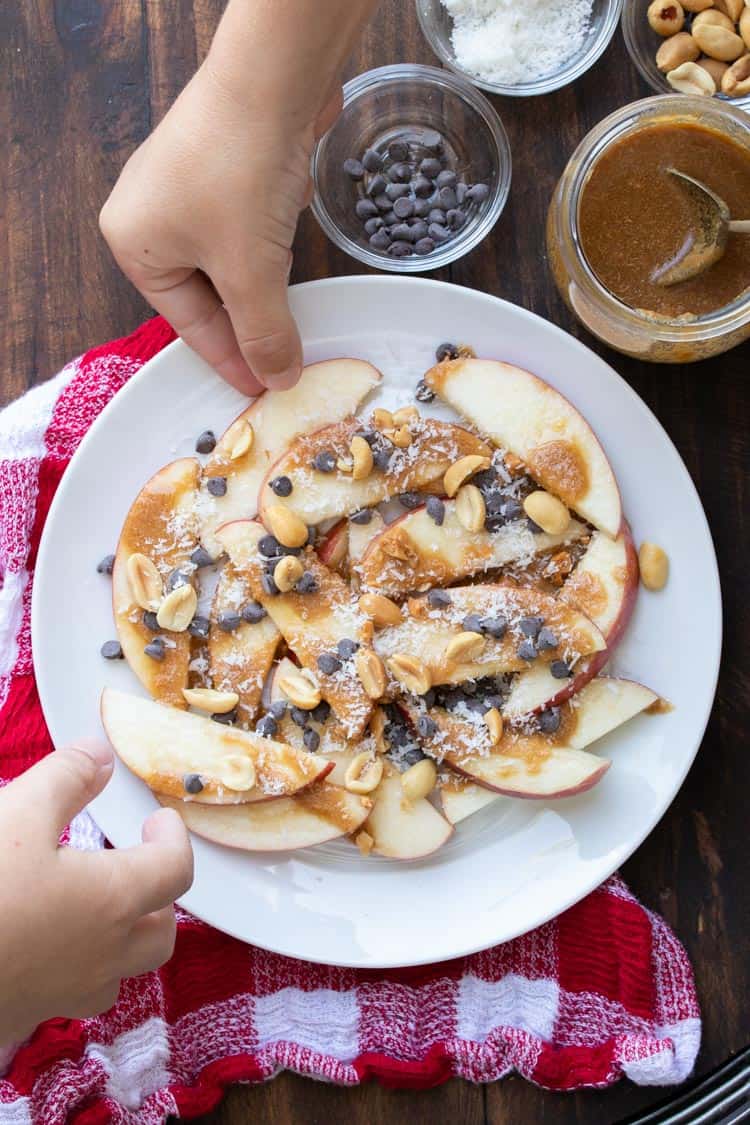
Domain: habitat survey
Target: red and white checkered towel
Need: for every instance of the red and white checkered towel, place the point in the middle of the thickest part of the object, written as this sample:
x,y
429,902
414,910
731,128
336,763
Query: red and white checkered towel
x,y
603,991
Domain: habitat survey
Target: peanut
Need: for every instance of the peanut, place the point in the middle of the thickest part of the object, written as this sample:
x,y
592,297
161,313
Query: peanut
x,y
286,525
382,419
461,470
736,80
361,458
381,610
411,673
745,26
300,691
696,5
400,436
730,8
547,511
691,79
398,545
237,441
371,672
665,17
207,699
654,566
719,42
364,773
716,69
145,581
236,772
289,570
714,18
464,647
419,780
178,609
494,723
471,510
676,50
405,416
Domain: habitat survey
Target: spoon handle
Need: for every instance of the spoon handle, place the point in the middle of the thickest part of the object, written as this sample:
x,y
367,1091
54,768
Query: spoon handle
x,y
740,226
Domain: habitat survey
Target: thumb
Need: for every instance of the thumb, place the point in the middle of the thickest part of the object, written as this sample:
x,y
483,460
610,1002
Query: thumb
x,y
63,783
267,335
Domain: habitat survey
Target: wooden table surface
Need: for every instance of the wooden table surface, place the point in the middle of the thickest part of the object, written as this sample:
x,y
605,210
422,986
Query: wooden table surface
x,y
82,82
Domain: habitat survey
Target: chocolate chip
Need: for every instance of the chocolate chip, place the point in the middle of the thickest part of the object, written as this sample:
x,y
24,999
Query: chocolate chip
x,y
217,486
155,649
106,566
429,698
111,650
461,190
206,443
423,393
534,528
530,626
430,167
511,510
281,486
228,621
372,161
398,151
478,193
366,209
176,578
226,719
396,192
423,247
270,547
400,173
381,459
472,623
266,727
253,612
409,500
527,649
150,621
192,783
422,208
403,208
546,640
346,648
382,203
549,720
446,178
421,186
300,717
268,585
447,199
435,506
353,169
199,627
402,232
278,709
373,225
432,140
307,584
438,233
560,670
455,218
321,712
418,230
325,461
381,240
495,627
437,599
487,478
311,740
328,663
436,215
363,516
200,558
377,186
426,726
399,249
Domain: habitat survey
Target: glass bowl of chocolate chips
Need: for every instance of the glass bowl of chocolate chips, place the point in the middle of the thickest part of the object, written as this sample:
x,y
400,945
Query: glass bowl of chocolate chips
x,y
414,173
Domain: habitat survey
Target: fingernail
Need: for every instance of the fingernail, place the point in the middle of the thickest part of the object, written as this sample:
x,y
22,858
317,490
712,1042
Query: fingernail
x,y
99,752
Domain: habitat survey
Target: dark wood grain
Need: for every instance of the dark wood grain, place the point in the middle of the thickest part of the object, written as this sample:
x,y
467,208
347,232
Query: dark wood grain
x,y
81,83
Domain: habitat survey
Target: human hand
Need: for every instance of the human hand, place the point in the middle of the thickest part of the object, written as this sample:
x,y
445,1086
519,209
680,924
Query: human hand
x,y
75,923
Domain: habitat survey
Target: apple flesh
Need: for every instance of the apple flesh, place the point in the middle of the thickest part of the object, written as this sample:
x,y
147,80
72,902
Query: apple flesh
x,y
460,798
162,746
334,550
427,631
318,496
326,393
362,534
312,624
240,661
526,416
604,586
447,553
163,513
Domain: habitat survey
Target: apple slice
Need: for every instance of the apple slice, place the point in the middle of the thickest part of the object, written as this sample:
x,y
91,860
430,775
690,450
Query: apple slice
x,y
163,746
528,417
312,624
318,496
334,550
438,555
427,632
162,525
322,813
460,798
239,661
326,393
362,534
604,586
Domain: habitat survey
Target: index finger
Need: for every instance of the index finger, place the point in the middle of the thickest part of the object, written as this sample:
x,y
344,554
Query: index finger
x,y
158,871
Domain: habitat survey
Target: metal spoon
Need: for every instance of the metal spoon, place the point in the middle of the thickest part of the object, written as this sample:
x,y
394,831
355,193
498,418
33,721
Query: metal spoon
x,y
703,247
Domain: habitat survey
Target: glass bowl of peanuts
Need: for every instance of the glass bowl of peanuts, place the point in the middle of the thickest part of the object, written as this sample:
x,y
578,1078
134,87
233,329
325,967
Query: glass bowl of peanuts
x,y
699,47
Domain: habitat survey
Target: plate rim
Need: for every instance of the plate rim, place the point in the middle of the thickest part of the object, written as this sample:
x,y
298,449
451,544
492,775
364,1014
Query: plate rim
x,y
620,854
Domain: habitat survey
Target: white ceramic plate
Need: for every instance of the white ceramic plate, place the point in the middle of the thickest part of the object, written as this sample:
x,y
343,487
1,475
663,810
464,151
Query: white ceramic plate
x,y
512,866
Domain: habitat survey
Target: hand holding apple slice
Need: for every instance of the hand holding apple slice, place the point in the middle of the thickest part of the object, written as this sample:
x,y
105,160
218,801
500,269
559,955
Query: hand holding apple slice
x,y
526,416
162,527
414,552
326,393
312,623
193,758
319,495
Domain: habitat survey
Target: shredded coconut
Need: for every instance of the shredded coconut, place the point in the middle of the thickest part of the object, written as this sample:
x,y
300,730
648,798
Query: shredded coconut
x,y
506,42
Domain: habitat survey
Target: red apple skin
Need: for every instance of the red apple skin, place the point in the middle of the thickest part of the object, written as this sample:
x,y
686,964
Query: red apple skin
x,y
505,791
332,543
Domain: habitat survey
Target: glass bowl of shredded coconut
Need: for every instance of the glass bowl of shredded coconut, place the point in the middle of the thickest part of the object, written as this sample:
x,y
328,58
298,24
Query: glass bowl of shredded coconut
x,y
519,49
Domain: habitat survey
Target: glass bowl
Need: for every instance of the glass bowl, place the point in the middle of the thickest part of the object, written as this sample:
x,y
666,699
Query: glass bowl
x,y
642,44
400,103
437,26
632,331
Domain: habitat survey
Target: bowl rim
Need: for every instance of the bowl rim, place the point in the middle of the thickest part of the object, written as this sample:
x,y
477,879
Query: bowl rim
x,y
474,232
544,85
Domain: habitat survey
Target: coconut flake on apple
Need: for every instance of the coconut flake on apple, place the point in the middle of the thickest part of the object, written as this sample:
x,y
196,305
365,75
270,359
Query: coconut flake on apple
x,y
191,757
526,416
326,393
161,525
319,495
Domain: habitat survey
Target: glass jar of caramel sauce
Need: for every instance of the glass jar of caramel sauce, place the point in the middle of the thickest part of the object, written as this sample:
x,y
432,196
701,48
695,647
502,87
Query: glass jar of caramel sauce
x,y
618,217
